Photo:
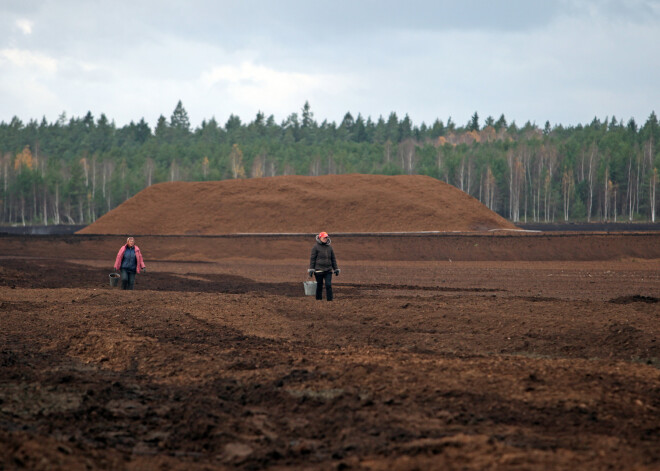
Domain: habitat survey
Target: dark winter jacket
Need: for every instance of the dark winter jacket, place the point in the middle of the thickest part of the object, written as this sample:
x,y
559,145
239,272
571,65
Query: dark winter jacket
x,y
323,257
129,260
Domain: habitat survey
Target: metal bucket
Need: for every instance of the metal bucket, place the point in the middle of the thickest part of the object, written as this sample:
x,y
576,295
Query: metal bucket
x,y
114,279
310,288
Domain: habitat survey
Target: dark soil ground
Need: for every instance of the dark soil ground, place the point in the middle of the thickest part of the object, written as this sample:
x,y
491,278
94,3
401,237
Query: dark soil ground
x,y
521,352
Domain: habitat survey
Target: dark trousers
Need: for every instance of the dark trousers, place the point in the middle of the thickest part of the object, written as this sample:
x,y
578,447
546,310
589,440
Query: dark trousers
x,y
320,278
127,279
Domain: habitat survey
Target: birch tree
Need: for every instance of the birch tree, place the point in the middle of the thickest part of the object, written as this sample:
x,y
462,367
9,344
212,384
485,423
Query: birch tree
x,y
236,161
591,177
23,164
607,184
149,167
629,189
259,166
92,200
652,186
653,178
108,168
489,194
205,167
407,155
567,185
550,154
173,170
387,151
44,180
516,178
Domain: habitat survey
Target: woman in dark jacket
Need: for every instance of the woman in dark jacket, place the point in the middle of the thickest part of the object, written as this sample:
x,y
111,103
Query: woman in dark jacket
x,y
322,264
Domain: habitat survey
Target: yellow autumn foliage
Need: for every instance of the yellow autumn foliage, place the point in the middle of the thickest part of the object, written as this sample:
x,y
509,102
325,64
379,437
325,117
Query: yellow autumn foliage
x,y
24,159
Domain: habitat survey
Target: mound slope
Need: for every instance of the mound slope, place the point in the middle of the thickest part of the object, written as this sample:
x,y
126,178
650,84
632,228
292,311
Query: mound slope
x,y
286,204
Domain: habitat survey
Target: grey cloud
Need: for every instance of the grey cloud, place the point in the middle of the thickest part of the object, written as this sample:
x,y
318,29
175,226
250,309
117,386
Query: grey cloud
x,y
425,58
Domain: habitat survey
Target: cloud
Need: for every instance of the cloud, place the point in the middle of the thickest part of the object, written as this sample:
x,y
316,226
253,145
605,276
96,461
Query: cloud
x,y
564,61
24,25
27,60
261,87
25,79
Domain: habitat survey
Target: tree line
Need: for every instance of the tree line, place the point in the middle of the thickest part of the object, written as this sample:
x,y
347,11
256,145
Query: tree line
x,y
74,170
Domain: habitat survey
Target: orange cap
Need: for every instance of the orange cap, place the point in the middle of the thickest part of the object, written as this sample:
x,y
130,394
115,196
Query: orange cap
x,y
322,235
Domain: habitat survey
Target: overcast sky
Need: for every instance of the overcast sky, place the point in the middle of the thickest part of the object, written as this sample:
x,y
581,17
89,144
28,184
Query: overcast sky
x,y
564,61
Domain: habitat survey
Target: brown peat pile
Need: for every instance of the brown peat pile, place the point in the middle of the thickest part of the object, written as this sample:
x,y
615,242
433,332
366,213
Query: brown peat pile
x,y
299,204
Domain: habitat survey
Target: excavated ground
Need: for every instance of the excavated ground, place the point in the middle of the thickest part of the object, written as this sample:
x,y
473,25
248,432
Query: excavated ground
x,y
521,352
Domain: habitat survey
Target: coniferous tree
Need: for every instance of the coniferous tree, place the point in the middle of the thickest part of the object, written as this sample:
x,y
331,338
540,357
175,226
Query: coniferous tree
x,y
179,119
84,166
473,125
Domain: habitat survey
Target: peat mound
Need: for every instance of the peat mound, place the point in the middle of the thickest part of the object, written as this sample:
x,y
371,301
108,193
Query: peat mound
x,y
299,204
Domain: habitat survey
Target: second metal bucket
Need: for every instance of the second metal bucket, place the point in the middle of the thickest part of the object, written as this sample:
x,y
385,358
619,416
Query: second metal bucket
x,y
310,288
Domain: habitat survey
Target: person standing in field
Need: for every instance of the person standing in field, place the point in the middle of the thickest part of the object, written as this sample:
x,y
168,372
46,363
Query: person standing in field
x,y
322,264
129,261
